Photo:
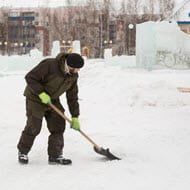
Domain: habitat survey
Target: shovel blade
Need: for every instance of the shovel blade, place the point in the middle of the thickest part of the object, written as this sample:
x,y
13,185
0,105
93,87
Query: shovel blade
x,y
107,153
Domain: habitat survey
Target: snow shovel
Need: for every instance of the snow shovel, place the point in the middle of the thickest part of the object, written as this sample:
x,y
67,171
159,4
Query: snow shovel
x,y
97,149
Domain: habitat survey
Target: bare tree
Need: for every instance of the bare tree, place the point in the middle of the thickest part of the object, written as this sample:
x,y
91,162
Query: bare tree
x,y
166,8
149,9
91,22
133,7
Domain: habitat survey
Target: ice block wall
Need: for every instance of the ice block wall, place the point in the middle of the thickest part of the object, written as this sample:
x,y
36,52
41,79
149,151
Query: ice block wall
x,y
162,45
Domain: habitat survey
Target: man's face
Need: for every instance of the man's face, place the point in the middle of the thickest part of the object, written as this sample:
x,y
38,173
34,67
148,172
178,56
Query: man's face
x,y
73,70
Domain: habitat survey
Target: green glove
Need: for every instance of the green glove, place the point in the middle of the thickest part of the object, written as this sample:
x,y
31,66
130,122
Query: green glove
x,y
45,98
75,123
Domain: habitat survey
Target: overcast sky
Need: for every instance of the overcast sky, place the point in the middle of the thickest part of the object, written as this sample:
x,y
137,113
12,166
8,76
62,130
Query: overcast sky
x,y
30,3
36,3
33,3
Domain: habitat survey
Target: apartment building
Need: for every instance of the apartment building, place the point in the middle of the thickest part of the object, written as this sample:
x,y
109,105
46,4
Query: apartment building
x,y
23,30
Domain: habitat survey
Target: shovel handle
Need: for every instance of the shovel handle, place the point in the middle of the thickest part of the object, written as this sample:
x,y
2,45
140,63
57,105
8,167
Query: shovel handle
x,y
89,139
70,122
60,113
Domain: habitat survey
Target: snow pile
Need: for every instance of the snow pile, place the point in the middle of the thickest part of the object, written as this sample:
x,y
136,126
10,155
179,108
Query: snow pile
x,y
122,61
19,64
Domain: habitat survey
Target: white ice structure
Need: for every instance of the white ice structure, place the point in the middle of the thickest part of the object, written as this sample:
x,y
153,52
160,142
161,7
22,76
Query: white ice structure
x,y
107,53
162,45
56,48
76,46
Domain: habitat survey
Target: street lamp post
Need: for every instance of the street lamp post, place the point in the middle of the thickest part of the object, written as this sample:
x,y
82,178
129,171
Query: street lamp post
x,y
15,47
66,45
101,35
6,47
21,47
1,47
107,43
131,27
110,43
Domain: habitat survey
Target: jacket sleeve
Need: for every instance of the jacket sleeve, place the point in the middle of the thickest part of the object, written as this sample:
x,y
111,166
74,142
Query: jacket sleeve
x,y
72,100
35,77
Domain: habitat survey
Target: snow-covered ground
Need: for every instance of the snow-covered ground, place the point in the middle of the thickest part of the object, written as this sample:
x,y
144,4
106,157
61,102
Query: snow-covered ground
x,y
138,114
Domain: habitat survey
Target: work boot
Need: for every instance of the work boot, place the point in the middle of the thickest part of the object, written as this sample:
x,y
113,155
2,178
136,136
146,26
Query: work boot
x,y
59,160
22,158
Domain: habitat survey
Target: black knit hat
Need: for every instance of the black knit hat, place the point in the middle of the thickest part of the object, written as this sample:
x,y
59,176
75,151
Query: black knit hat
x,y
75,60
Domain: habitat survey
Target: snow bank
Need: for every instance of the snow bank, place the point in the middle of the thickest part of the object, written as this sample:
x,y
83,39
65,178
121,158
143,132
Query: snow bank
x,y
122,61
19,64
